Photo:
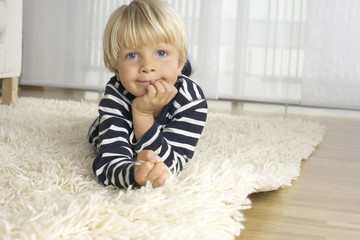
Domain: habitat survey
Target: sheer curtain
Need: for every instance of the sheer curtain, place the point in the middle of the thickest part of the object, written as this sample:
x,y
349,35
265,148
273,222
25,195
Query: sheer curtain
x,y
332,54
302,52
63,43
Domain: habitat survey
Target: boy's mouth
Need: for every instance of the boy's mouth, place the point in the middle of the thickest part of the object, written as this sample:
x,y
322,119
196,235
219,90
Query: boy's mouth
x,y
147,82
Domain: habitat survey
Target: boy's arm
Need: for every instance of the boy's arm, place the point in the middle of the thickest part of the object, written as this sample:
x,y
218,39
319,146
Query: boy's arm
x,y
159,94
175,144
114,164
180,137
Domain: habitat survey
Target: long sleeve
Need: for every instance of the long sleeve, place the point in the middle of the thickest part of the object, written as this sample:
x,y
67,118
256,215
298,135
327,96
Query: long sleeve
x,y
114,163
175,139
173,136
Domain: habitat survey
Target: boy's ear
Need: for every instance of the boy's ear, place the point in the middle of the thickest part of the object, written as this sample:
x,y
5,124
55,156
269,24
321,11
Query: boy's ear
x,y
116,73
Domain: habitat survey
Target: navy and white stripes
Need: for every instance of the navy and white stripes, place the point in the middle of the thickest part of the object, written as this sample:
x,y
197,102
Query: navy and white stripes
x,y
173,136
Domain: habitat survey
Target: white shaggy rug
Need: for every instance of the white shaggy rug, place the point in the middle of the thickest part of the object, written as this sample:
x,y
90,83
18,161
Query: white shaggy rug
x,y
48,190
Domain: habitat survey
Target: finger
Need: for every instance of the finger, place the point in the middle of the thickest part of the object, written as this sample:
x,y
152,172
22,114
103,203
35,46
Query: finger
x,y
160,88
156,171
148,155
169,88
151,91
145,168
161,180
139,162
171,91
141,172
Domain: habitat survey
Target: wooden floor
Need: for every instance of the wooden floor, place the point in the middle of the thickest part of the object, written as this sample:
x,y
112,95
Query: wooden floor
x,y
323,203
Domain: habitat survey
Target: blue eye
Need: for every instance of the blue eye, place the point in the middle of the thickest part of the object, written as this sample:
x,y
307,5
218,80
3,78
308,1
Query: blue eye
x,y
161,53
131,56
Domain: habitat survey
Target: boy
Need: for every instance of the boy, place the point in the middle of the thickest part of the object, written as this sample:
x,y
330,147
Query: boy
x,y
151,116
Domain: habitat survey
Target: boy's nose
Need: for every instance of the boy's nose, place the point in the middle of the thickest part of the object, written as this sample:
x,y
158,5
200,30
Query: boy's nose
x,y
147,66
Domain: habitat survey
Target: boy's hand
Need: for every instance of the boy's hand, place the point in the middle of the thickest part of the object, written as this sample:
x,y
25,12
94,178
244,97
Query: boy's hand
x,y
152,169
159,93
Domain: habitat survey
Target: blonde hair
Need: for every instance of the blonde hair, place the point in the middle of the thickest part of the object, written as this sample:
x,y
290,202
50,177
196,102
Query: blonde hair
x,y
140,23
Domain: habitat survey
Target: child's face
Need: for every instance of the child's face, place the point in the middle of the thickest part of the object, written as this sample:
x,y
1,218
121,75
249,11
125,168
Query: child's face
x,y
137,67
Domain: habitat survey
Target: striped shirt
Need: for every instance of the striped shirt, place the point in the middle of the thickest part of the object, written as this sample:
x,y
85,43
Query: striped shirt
x,y
173,136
